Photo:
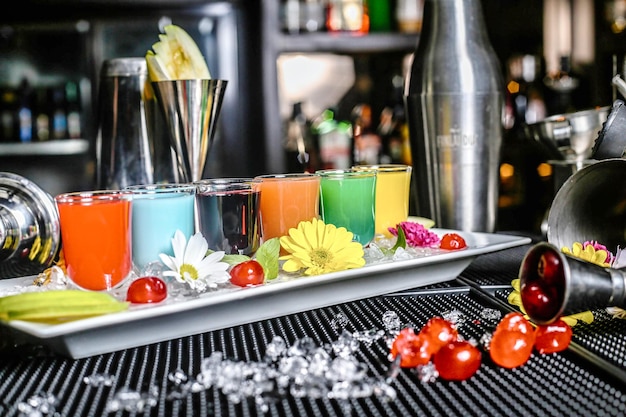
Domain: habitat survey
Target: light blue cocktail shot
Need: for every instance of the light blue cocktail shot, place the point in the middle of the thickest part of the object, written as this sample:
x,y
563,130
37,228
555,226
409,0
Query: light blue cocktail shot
x,y
157,212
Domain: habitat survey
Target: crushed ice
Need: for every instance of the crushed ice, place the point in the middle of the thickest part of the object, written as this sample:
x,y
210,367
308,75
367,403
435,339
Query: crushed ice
x,y
302,370
41,404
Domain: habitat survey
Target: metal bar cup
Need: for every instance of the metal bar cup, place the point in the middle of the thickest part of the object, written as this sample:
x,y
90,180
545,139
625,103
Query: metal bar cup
x,y
553,284
191,109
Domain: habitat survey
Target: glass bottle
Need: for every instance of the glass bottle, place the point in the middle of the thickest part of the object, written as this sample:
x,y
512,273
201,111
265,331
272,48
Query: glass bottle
x,y
454,99
290,16
297,140
42,119
59,115
366,141
8,116
348,16
74,122
334,141
25,112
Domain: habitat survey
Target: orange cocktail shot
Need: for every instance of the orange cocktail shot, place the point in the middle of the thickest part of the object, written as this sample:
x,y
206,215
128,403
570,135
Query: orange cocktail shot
x,y
286,200
96,237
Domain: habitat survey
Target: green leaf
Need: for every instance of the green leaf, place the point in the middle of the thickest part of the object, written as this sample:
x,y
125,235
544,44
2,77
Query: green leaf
x,y
401,241
267,256
230,259
235,259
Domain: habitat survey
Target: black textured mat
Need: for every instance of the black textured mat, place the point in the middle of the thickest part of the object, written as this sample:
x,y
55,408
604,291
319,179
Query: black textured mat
x,y
547,385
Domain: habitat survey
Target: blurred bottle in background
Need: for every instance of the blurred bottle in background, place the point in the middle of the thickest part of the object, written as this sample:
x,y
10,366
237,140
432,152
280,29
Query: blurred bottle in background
x,y
334,141
25,111
59,115
297,16
73,108
408,15
290,16
300,154
524,190
42,117
366,140
8,115
380,15
313,16
348,16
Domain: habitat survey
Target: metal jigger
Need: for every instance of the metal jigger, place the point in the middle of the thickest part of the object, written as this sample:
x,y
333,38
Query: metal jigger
x,y
191,109
553,284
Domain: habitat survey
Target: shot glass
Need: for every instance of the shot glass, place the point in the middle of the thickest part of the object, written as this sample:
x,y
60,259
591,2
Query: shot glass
x,y
287,199
96,237
158,211
348,199
229,215
393,187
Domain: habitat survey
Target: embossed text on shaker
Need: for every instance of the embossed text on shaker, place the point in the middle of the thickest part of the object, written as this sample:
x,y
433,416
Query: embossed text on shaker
x,y
457,139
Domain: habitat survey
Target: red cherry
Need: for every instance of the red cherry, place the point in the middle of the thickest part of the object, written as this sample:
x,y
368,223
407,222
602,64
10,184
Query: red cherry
x,y
440,331
510,349
247,273
549,268
146,290
452,241
512,342
540,301
516,322
414,349
457,361
553,337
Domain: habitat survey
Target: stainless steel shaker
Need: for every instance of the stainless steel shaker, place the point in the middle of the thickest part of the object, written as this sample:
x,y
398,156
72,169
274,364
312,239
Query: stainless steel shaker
x,y
454,101
29,227
133,145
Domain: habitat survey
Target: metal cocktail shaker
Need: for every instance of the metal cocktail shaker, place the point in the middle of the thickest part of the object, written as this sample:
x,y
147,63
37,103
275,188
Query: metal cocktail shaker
x,y
29,227
133,144
454,101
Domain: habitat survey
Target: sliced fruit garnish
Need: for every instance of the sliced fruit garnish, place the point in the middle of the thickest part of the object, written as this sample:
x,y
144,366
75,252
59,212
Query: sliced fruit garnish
x,y
176,57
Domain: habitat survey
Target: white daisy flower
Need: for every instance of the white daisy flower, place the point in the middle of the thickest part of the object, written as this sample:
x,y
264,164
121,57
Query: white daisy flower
x,y
190,264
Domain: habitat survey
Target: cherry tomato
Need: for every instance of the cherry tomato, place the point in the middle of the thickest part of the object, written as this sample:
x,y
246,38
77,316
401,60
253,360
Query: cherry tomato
x,y
247,273
452,241
146,290
440,331
553,337
457,360
513,341
414,349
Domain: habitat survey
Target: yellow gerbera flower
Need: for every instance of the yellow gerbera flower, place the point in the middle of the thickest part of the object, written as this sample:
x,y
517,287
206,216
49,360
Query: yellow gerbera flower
x,y
589,253
515,298
319,248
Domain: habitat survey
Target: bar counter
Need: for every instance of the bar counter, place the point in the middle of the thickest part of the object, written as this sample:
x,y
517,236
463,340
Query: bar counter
x,y
175,378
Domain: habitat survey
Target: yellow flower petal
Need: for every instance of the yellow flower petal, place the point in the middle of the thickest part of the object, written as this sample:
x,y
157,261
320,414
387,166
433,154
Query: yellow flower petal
x,y
320,248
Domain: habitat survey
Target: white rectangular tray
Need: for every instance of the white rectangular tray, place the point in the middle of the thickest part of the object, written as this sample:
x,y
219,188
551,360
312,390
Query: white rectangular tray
x,y
213,311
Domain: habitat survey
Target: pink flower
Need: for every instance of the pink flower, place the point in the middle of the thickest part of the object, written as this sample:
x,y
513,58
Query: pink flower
x,y
416,235
598,246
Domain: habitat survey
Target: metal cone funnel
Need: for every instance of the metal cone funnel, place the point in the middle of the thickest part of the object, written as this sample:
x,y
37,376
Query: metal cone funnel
x,y
191,109
553,284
